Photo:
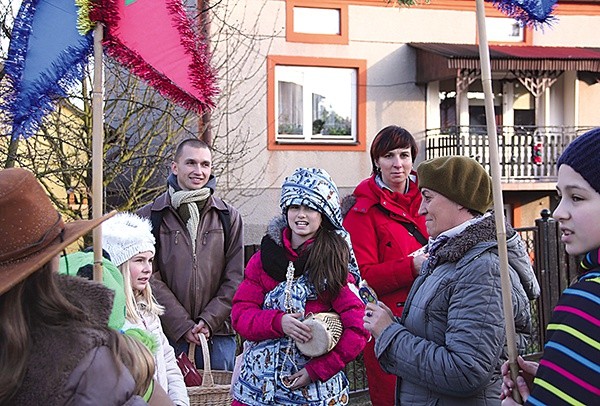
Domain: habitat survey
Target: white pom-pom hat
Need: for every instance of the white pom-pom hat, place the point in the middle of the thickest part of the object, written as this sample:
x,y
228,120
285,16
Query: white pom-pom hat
x,y
125,236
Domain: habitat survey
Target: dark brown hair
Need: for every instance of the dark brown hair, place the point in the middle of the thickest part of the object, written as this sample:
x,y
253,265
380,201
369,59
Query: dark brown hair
x,y
328,260
389,138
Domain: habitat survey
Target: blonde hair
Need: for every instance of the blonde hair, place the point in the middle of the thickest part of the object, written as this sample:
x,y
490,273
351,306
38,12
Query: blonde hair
x,y
133,298
138,359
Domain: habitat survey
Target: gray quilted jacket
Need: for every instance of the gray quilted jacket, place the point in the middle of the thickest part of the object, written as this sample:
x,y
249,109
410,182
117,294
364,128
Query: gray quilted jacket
x,y
450,343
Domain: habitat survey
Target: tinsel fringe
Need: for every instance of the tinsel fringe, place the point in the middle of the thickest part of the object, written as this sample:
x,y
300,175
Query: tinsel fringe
x,y
201,74
27,110
84,24
528,12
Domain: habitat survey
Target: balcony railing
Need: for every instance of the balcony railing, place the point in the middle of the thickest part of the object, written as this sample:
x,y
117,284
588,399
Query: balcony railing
x,y
526,153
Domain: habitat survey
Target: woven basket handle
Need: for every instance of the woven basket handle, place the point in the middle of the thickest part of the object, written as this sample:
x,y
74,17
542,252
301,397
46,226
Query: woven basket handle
x,y
207,377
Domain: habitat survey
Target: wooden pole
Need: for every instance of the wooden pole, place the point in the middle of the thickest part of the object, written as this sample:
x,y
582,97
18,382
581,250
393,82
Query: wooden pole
x,y
97,148
486,79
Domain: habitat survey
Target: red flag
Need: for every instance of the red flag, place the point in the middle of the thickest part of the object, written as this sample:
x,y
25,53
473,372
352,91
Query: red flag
x,y
155,41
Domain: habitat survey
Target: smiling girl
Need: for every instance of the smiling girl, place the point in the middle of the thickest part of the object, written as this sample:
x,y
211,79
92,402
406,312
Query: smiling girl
x,y
128,240
305,265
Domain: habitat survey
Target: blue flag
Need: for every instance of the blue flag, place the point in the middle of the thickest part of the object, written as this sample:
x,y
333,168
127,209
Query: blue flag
x,y
46,57
530,12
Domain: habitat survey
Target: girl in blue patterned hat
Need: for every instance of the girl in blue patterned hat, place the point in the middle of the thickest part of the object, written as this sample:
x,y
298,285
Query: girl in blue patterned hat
x,y
305,265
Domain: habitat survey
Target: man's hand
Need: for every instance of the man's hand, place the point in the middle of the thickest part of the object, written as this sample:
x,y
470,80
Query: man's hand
x,y
203,328
294,328
191,336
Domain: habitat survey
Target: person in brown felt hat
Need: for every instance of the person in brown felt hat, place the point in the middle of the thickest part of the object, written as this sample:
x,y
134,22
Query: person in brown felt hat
x,y
56,346
450,343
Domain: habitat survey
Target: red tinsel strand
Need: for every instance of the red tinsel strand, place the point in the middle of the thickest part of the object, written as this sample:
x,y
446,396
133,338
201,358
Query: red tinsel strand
x,y
201,74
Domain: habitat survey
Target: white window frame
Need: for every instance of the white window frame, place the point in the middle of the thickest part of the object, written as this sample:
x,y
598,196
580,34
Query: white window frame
x,y
306,78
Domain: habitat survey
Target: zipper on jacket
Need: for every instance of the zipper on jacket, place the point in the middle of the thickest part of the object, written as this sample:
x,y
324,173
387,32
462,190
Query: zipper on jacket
x,y
176,237
204,237
192,287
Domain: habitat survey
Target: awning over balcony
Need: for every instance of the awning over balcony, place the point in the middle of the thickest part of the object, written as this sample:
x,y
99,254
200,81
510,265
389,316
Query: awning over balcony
x,y
442,61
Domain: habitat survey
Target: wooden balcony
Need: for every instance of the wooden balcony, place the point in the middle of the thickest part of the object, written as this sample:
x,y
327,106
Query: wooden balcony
x,y
528,154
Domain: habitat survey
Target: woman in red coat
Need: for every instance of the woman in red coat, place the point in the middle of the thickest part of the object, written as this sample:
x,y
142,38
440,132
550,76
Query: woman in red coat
x,y
385,229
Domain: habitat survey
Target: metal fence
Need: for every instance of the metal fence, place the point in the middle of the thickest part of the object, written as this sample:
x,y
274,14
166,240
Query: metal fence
x,y
555,271
527,153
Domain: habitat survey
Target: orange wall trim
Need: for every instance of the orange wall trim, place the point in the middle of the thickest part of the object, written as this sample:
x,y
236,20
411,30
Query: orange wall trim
x,y
293,36
469,5
361,101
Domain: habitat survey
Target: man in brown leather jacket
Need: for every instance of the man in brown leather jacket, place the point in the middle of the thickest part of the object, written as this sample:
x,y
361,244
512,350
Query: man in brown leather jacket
x,y
199,261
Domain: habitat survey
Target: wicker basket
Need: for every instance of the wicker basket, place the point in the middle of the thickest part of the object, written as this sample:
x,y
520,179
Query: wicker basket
x,y
216,385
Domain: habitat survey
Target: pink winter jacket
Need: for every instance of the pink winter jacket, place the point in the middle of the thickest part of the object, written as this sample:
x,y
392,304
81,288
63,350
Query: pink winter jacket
x,y
254,323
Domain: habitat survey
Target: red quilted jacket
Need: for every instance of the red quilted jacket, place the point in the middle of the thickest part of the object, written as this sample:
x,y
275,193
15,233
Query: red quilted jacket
x,y
254,323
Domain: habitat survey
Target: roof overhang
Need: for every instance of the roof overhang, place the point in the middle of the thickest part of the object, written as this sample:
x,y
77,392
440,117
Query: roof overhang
x,y
442,61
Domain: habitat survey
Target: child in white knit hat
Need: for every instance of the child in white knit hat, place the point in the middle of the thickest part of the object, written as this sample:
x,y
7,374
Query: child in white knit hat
x,y
128,240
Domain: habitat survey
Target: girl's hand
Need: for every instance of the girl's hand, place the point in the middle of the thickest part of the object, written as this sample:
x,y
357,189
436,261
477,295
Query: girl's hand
x,y
299,379
377,318
294,328
527,372
523,390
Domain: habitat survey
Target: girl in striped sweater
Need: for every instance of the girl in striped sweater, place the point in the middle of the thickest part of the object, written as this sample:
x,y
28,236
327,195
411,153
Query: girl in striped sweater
x,y
569,371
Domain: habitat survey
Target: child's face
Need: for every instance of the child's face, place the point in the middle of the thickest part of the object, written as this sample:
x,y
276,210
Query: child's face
x,y
140,269
304,222
577,212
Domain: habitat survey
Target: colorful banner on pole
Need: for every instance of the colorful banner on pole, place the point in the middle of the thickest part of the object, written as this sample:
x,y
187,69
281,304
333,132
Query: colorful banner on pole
x,y
155,41
529,12
46,57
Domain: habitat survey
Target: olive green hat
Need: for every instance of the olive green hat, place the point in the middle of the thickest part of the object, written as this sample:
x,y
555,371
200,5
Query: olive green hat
x,y
462,180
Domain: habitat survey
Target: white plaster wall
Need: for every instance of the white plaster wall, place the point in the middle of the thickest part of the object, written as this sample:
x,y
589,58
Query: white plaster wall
x,y
568,31
377,35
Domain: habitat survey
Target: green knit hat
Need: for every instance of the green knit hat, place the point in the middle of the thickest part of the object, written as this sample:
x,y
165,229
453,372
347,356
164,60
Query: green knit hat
x,y
81,264
462,180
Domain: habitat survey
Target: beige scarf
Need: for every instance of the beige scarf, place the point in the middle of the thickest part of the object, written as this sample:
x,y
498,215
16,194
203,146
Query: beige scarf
x,y
190,197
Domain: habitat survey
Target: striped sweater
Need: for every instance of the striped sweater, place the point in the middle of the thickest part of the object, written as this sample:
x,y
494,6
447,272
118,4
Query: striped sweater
x,y
569,372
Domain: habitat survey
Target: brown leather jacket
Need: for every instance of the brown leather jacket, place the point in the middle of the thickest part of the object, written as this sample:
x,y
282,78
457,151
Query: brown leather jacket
x,y
196,285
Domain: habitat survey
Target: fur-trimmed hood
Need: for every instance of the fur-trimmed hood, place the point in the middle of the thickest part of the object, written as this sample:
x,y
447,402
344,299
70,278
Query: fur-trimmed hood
x,y
275,229
480,237
346,204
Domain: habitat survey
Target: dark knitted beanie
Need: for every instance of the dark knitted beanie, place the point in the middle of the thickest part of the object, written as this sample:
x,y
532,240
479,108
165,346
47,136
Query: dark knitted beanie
x,y
462,180
582,155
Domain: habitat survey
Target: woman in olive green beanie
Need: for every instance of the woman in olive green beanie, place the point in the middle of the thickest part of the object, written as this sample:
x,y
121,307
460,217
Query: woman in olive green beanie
x,y
450,343
462,180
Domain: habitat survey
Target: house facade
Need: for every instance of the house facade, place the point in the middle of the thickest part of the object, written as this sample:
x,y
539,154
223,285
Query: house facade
x,y
326,76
